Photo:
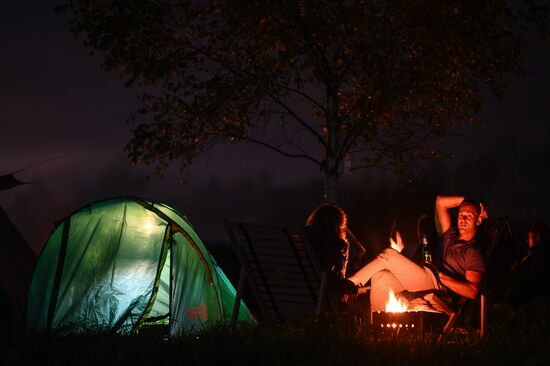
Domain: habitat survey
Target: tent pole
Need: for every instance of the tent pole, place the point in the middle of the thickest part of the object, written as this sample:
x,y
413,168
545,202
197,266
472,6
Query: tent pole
x,y
170,291
58,273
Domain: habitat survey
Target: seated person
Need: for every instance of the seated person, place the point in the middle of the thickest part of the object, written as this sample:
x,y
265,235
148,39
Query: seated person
x,y
326,228
459,268
530,276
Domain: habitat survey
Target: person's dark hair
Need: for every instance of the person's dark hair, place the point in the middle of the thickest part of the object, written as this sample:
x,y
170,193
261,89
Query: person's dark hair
x,y
473,203
330,217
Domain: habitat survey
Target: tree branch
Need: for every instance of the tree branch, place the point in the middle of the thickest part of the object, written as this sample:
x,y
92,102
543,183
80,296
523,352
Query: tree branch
x,y
298,119
282,152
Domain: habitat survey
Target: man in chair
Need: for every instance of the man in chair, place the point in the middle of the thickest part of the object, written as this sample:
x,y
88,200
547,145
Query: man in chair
x,y
459,261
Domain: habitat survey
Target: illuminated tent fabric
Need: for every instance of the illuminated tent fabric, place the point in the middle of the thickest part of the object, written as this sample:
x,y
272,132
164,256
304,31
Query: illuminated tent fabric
x,y
122,263
16,265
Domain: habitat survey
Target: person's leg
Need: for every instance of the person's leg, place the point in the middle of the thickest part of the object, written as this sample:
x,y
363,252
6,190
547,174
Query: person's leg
x,y
381,284
410,275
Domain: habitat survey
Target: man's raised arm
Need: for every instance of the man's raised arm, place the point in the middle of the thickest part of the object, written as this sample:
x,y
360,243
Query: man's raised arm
x,y
442,216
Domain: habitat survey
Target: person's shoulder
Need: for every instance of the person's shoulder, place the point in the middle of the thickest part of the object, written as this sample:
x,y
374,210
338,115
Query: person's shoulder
x,y
475,256
450,232
474,248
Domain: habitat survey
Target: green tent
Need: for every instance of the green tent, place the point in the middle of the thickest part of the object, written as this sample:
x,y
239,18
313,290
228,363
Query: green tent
x,y
122,263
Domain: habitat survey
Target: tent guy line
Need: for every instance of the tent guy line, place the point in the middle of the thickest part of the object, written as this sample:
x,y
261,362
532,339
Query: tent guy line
x,y
8,181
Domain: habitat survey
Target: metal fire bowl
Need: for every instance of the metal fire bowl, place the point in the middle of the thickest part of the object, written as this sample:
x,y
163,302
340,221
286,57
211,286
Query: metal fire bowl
x,y
409,322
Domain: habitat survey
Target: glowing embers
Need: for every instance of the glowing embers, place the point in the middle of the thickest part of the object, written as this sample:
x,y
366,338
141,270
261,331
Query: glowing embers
x,y
394,325
410,322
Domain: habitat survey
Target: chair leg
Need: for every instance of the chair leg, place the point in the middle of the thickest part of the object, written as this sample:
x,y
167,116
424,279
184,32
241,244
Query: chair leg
x,y
322,294
448,325
483,318
238,297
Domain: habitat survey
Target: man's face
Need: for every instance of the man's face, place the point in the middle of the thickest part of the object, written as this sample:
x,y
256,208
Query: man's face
x,y
467,220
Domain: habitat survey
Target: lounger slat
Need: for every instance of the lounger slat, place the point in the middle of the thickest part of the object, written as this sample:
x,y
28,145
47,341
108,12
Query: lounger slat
x,y
281,268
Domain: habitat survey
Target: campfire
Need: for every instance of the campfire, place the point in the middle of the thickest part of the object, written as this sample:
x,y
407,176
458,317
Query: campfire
x,y
397,318
395,304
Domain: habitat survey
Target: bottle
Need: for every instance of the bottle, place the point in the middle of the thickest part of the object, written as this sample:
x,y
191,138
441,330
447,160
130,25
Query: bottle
x,y
426,254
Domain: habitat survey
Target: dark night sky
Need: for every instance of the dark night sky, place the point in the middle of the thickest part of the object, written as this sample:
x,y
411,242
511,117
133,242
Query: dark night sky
x,y
54,99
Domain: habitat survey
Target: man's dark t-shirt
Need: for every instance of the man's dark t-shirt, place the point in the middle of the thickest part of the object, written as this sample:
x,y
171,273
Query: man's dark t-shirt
x,y
457,256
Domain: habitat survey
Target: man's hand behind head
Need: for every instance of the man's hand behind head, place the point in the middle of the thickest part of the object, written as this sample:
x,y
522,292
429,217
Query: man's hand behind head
x,y
484,214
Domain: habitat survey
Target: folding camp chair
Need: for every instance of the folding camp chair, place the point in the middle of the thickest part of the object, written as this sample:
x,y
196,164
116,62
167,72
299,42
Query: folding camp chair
x,y
442,302
482,313
282,270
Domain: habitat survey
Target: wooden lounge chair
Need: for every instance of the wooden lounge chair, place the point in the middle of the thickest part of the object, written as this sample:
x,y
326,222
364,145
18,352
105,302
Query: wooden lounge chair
x,y
282,270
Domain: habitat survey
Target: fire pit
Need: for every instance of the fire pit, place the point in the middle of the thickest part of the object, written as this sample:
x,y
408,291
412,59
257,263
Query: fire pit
x,y
410,322
397,319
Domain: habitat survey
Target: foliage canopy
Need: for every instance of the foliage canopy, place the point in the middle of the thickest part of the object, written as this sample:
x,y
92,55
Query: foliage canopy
x,y
375,83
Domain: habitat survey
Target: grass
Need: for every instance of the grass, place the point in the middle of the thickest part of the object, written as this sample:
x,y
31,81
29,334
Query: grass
x,y
519,336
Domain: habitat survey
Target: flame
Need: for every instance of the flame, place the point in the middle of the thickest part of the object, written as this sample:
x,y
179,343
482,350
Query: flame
x,y
394,304
393,244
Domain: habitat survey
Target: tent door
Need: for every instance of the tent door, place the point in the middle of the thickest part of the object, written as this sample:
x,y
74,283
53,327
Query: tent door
x,y
160,313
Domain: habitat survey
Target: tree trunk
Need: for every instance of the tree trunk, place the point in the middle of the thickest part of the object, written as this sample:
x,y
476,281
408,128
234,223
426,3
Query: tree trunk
x,y
333,141
332,192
